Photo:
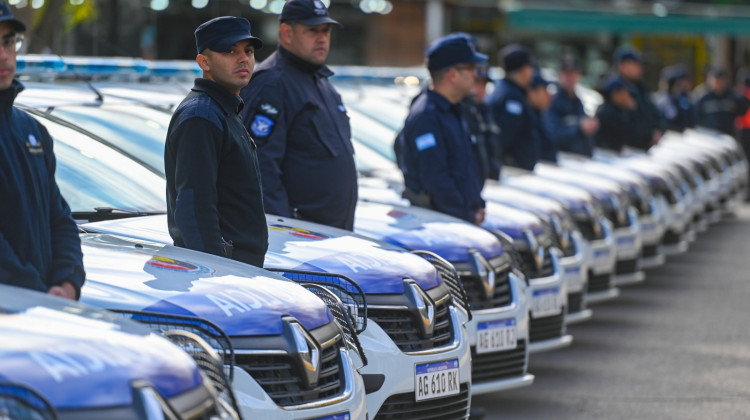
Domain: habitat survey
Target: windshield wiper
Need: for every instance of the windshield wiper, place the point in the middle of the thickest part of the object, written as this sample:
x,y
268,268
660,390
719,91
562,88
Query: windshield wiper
x,y
111,213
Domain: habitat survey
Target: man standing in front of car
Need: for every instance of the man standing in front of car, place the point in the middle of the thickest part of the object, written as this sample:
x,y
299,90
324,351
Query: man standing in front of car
x,y
214,196
435,145
39,244
301,125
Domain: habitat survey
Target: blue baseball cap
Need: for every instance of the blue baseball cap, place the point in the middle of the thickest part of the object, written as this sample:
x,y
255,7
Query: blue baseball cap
x,y
6,15
627,54
538,80
306,12
219,34
613,84
452,49
515,57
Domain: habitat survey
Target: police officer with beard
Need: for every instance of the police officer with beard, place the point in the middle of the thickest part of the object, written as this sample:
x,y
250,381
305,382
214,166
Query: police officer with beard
x,y
300,123
436,155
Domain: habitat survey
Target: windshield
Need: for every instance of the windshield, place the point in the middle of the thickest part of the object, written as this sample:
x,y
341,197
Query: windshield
x,y
138,130
92,175
373,134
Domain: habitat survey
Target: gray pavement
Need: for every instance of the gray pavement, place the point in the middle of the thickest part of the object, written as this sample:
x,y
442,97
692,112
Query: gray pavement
x,y
674,347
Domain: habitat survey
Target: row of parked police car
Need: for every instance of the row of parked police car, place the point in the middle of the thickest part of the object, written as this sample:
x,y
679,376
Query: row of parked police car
x,y
407,317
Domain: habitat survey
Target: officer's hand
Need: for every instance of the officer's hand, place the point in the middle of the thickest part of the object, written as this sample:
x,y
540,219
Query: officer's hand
x,y
65,290
589,126
479,217
656,137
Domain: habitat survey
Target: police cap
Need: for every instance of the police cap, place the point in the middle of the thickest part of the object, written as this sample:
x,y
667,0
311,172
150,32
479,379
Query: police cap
x,y
538,80
306,12
515,57
6,15
452,49
569,63
219,34
614,84
627,54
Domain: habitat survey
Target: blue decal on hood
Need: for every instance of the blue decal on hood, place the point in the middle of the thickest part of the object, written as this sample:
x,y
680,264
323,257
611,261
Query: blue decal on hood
x,y
299,232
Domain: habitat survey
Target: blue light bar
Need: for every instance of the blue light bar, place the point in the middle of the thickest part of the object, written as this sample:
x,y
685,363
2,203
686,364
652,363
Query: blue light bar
x,y
35,64
104,67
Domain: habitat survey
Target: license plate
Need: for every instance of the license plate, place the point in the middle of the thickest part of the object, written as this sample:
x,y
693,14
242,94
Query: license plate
x,y
626,240
341,416
436,380
545,302
601,253
495,336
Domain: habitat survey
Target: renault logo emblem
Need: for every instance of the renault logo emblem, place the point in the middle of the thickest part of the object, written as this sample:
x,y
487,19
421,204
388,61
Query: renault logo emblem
x,y
536,251
424,306
308,353
484,271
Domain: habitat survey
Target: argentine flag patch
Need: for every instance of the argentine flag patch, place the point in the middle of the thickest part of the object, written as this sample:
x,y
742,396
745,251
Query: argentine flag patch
x,y
425,141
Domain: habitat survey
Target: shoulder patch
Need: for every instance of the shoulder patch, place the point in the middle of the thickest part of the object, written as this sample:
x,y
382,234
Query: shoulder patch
x,y
425,141
514,107
261,126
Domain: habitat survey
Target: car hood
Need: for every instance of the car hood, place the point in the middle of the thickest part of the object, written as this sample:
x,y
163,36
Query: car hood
x,y
573,197
419,229
241,299
376,266
541,206
513,222
80,357
595,185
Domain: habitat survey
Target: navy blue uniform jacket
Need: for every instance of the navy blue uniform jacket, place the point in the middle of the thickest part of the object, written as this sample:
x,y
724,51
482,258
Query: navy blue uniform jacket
x,y
213,180
563,123
437,158
719,111
304,141
520,143
39,243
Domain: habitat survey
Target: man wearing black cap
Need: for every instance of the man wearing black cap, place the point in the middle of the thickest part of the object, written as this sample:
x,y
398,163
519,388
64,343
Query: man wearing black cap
x,y
673,98
570,129
436,155
39,244
301,125
617,115
214,197
649,123
508,104
720,106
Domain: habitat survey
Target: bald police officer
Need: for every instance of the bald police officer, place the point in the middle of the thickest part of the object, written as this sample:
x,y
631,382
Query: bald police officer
x,y
435,147
214,198
300,123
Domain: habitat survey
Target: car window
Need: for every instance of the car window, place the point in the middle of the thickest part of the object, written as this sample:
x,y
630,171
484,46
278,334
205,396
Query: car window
x,y
91,175
373,134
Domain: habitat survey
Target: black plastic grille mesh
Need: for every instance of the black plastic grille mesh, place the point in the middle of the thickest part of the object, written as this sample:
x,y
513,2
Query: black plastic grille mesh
x,y
405,407
403,327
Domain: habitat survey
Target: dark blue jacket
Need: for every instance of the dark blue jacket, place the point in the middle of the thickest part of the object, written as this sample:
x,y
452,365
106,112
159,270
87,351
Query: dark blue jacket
x,y
719,111
485,138
678,111
563,123
39,243
548,151
304,141
213,181
617,126
520,143
437,158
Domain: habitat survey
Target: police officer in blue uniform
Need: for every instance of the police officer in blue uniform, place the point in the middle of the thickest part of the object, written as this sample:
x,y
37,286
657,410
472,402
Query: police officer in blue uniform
x,y
300,123
617,115
720,106
214,197
435,147
39,244
508,105
540,99
673,99
570,129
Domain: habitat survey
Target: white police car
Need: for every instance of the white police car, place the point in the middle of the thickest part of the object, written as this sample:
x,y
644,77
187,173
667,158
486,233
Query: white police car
x,y
61,359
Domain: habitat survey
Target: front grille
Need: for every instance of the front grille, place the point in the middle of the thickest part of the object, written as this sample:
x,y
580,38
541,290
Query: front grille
x,y
506,364
405,407
575,302
588,231
547,268
475,291
612,217
567,251
626,266
279,376
546,328
671,238
649,251
599,283
403,327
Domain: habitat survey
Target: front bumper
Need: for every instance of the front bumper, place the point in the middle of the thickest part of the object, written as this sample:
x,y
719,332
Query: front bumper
x,y
255,403
575,276
548,299
397,369
505,369
628,250
601,256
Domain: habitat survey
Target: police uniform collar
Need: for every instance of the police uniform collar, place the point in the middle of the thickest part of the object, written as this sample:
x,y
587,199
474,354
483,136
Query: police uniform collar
x,y
442,103
231,104
305,66
8,96
511,82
